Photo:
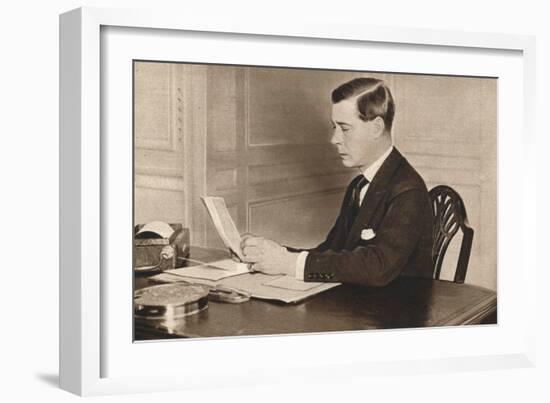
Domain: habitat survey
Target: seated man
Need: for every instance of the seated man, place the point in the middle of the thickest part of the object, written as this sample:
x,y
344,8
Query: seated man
x,y
384,228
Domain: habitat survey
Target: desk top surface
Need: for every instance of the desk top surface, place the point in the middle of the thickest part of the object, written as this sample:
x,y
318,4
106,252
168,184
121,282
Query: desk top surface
x,y
405,303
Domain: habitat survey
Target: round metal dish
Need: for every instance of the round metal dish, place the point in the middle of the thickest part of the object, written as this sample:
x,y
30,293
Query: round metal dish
x,y
171,301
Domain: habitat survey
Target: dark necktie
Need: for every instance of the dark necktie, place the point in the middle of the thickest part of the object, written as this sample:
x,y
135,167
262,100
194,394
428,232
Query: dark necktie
x,y
361,182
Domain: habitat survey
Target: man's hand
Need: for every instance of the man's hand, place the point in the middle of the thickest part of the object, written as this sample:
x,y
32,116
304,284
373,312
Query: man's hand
x,y
268,256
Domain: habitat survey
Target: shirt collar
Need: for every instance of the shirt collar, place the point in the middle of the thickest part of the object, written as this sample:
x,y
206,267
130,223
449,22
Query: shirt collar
x,y
373,168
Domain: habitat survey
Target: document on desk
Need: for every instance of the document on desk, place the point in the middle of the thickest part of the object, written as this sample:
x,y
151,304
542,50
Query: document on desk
x,y
224,224
258,285
290,283
212,271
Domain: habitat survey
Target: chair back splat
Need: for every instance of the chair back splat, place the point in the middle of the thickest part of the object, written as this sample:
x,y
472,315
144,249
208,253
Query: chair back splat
x,y
449,217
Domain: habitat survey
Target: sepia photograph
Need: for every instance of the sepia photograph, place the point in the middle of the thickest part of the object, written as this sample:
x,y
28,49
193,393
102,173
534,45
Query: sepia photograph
x,y
275,200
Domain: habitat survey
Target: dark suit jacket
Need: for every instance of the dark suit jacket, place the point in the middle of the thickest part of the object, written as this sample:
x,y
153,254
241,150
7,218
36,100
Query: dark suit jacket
x,y
397,208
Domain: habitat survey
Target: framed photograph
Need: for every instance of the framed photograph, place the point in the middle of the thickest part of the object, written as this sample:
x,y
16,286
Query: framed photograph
x,y
255,194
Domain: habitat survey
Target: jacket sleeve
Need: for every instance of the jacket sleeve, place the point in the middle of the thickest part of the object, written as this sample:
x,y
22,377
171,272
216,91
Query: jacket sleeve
x,y
378,261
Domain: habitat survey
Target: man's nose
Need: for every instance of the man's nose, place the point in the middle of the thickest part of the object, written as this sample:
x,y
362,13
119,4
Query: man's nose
x,y
336,137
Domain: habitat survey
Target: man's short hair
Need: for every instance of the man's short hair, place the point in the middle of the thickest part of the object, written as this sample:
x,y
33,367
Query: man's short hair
x,y
373,99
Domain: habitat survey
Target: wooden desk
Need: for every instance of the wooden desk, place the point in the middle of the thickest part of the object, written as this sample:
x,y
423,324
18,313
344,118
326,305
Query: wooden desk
x,y
405,303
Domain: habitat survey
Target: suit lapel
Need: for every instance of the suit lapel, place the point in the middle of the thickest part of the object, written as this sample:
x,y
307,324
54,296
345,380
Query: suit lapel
x,y
376,192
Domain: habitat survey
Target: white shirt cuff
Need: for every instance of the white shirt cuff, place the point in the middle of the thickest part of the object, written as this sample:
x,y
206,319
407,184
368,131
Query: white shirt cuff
x,y
300,265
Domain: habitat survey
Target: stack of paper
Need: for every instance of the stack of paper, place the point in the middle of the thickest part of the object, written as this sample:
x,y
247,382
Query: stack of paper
x,y
211,271
258,285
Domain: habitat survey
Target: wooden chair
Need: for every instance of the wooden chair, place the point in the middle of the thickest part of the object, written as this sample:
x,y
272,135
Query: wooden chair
x,y
450,216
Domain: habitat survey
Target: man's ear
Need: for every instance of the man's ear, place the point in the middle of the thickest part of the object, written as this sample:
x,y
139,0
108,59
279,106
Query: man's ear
x,y
379,126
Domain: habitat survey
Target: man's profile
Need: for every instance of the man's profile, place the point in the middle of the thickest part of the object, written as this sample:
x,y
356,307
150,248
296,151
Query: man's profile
x,y
384,228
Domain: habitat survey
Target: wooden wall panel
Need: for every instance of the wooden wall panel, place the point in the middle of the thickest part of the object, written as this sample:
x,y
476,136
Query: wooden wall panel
x,y
194,83
278,113
158,163
226,151
169,141
488,179
222,108
283,172
442,109
303,186
301,221
159,204
446,126
291,106
154,105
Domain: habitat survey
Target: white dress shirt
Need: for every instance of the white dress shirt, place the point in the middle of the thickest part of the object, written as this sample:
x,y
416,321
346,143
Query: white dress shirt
x,y
368,173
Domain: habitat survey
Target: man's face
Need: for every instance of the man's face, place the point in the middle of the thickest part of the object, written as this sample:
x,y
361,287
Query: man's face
x,y
353,137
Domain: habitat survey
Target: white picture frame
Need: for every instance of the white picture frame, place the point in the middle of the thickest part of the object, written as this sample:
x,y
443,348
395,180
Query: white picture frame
x,y
85,181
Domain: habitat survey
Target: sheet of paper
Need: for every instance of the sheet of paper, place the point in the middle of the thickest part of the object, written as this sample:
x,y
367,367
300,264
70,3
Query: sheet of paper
x,y
224,223
212,271
254,284
159,228
230,265
290,283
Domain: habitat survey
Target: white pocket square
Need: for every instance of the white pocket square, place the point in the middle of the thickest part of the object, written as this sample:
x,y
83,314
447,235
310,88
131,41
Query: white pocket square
x,y
367,234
